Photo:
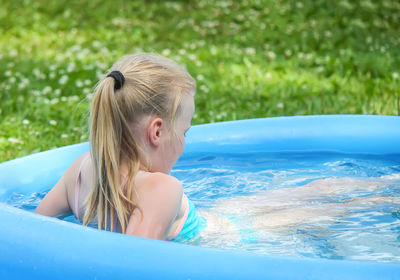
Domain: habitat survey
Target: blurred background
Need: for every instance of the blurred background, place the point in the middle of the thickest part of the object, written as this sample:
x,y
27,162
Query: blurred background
x,y
251,59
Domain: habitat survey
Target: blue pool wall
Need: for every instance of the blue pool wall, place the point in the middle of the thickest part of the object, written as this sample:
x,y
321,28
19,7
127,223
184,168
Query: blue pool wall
x,y
34,246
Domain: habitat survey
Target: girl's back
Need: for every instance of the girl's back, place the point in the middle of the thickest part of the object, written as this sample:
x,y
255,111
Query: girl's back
x,y
79,184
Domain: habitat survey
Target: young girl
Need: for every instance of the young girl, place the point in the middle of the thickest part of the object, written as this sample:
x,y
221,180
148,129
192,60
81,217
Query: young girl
x,y
139,116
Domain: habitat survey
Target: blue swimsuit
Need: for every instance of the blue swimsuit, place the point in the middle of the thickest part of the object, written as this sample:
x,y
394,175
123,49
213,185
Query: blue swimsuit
x,y
193,225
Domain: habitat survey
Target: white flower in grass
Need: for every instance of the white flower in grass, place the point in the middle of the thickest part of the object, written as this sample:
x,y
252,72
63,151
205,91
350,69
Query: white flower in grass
x,y
192,57
96,44
71,67
75,48
88,67
104,50
87,82
192,46
63,80
13,140
73,98
36,72
52,122
250,51
279,105
288,52
87,91
166,52
79,83
203,88
59,57
8,73
395,75
81,55
13,80
200,77
271,55
213,50
63,136
99,74
328,34
25,122
46,90
268,76
13,53
240,17
101,65
35,92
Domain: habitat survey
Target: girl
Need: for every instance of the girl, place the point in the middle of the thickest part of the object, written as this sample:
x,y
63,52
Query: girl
x,y
139,116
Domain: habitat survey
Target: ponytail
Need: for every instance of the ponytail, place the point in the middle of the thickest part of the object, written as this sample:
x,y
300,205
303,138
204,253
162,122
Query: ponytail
x,y
109,132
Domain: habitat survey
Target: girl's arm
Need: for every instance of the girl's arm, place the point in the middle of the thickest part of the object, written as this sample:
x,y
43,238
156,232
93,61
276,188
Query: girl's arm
x,y
55,202
160,201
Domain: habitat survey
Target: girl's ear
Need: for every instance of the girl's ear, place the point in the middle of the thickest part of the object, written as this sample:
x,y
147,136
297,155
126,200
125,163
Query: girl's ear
x,y
155,130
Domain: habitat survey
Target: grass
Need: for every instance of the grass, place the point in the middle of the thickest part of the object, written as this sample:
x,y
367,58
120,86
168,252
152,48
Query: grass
x,y
250,59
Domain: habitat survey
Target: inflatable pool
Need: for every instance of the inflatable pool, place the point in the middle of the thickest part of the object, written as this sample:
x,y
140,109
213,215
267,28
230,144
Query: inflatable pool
x,y
38,247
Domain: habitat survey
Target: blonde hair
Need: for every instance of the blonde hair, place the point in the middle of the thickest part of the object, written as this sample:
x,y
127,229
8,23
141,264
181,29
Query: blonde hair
x,y
154,85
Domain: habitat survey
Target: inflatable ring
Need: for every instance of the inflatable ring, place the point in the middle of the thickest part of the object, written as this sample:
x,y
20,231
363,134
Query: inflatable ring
x,y
38,247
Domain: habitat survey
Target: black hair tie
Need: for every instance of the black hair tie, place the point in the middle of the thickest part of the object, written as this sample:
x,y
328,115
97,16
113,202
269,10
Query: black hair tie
x,y
119,79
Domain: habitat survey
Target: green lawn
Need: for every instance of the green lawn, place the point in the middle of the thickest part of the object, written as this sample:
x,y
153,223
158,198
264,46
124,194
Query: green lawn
x,y
251,59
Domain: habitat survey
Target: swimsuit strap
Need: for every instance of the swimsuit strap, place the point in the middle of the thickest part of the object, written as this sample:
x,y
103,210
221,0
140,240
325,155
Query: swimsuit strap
x,y
78,186
183,220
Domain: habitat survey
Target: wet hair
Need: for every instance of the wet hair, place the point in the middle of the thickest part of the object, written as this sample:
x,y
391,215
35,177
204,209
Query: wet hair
x,y
150,85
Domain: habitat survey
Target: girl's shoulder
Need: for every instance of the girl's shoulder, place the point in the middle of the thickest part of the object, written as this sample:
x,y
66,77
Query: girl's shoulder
x,y
158,184
75,168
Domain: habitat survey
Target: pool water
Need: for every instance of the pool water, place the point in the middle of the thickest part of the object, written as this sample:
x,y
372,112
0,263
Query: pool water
x,y
280,204
319,205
